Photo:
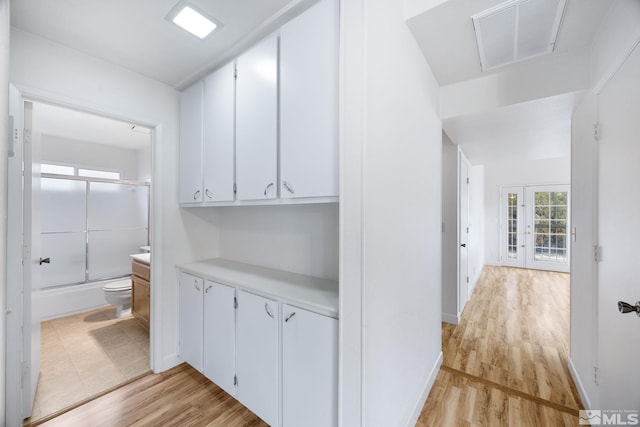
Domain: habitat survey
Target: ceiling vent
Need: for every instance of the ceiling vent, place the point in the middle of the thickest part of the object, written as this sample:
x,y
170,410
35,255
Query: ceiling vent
x,y
517,30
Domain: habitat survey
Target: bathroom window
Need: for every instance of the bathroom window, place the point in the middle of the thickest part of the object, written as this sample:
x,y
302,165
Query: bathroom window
x,y
50,168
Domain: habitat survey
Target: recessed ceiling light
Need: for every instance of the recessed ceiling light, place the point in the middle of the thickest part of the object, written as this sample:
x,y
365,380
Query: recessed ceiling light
x,y
192,20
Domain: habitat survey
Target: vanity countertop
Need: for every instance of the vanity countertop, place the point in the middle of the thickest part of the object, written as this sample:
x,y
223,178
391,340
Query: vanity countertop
x,y
144,258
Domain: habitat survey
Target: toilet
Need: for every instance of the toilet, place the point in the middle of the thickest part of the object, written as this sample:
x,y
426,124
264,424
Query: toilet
x,y
118,293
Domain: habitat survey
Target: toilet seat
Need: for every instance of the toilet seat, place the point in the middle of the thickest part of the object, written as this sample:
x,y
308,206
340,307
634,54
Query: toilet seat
x,y
117,286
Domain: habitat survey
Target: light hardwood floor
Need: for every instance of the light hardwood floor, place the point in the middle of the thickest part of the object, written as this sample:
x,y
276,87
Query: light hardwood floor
x,y
505,364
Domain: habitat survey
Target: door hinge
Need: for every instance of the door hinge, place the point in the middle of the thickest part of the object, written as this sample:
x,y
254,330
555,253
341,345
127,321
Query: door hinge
x,y
235,188
467,180
596,131
235,72
235,380
467,230
595,375
467,279
597,253
235,302
26,136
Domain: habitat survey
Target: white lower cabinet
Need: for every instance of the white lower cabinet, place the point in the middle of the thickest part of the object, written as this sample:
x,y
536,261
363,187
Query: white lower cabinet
x,y
219,342
258,376
278,360
309,369
190,315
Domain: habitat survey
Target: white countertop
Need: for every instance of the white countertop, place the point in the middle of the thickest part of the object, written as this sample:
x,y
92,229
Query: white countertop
x,y
145,257
306,292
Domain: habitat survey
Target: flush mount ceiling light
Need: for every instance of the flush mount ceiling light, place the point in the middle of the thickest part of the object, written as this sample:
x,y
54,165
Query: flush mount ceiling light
x,y
517,30
193,20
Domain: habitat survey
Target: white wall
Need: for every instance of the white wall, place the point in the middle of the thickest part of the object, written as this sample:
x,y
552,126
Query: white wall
x,y
4,131
449,231
515,172
55,73
90,155
402,221
302,239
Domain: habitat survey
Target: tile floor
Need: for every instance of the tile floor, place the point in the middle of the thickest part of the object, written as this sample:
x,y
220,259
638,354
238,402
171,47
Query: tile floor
x,y
86,354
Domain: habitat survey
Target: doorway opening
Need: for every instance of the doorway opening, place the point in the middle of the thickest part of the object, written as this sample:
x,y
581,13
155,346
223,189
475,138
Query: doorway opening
x,y
87,209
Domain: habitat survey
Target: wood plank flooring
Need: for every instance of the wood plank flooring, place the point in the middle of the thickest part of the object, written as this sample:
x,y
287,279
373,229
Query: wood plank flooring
x,y
505,364
178,397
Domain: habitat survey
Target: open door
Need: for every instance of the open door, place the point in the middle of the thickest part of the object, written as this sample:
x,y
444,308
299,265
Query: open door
x,y
23,322
463,232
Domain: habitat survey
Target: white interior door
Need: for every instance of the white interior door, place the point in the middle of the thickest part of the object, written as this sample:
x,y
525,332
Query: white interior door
x,y
463,233
34,259
618,234
513,241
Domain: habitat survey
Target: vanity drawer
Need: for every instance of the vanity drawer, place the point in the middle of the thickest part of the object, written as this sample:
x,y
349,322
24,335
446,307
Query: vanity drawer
x,y
141,270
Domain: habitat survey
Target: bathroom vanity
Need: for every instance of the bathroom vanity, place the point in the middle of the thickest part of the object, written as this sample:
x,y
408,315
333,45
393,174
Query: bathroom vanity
x,y
140,287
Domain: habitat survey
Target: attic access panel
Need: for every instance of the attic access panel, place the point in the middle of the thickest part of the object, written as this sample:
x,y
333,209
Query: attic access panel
x,y
517,30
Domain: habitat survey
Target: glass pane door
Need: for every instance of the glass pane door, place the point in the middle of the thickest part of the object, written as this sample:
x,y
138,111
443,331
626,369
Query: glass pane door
x,y
513,226
547,227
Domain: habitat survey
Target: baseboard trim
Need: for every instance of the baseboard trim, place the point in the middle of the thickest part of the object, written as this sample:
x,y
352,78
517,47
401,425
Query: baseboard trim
x,y
168,362
579,385
431,378
450,318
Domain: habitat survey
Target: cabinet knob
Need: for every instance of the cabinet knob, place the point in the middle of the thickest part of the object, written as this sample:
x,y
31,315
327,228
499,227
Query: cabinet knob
x,y
196,194
208,193
266,190
288,186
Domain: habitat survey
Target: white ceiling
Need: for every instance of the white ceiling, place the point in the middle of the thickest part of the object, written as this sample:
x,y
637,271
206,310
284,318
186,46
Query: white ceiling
x,y
533,130
65,123
446,36
136,35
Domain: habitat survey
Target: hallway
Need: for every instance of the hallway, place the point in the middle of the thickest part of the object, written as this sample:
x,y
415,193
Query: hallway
x,y
505,364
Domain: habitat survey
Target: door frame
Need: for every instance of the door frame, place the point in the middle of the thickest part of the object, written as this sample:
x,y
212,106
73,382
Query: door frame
x,y
15,359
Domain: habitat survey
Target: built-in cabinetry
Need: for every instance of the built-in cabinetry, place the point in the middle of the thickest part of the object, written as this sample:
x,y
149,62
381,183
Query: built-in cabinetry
x,y
264,129
267,337
141,288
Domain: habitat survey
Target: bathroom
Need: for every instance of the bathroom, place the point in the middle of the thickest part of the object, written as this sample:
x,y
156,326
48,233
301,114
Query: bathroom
x,y
92,215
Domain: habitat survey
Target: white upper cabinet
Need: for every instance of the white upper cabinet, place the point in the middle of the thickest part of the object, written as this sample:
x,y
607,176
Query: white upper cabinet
x,y
309,369
257,122
219,355
258,376
218,158
191,144
309,103
191,319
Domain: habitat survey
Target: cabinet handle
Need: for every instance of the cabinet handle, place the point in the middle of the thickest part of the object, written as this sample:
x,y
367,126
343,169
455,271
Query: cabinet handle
x,y
208,193
266,190
195,285
208,289
268,310
196,194
290,316
288,187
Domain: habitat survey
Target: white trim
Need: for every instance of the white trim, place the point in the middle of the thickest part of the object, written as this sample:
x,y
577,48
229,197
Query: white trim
x,y
579,385
451,318
430,380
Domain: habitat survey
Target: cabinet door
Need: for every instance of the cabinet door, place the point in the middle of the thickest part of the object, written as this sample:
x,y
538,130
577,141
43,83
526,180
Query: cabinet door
x,y
140,299
220,335
258,355
309,369
218,158
257,122
190,318
191,144
309,103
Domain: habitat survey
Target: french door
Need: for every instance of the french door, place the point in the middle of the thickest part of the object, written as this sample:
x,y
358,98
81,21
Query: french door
x,y
535,224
